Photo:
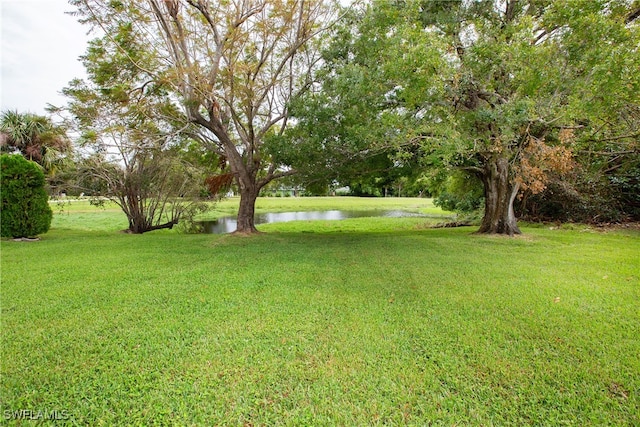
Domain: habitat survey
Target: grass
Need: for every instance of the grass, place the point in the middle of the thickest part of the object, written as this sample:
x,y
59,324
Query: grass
x,y
355,322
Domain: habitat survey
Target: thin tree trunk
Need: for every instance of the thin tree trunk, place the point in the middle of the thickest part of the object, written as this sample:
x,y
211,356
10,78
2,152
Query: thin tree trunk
x,y
499,194
142,230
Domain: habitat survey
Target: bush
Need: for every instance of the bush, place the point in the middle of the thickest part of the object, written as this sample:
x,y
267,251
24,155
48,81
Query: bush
x,y
25,210
589,199
460,192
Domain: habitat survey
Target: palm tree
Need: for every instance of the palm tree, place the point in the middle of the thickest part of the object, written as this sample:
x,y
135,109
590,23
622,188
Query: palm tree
x,y
36,137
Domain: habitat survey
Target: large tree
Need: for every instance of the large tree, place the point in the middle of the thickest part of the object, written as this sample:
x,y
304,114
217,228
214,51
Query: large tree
x,y
506,90
233,66
533,79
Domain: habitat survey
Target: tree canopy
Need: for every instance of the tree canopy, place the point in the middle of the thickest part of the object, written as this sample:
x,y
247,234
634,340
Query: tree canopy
x,y
133,139
517,95
36,137
231,67
510,91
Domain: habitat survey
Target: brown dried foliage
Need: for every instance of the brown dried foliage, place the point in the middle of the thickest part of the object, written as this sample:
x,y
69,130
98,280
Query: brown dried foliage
x,y
218,184
539,162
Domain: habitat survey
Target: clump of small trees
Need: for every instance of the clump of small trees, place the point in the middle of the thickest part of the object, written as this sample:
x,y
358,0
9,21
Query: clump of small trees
x,y
133,147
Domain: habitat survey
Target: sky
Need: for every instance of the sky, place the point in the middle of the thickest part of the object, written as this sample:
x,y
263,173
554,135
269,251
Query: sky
x,y
39,50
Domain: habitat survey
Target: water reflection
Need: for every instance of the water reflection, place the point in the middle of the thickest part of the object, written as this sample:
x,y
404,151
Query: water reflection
x,y
228,224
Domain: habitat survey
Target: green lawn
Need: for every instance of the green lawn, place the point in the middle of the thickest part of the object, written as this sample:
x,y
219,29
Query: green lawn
x,y
355,322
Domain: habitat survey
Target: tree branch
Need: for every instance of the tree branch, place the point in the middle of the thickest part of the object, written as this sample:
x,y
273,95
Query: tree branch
x,y
632,16
617,138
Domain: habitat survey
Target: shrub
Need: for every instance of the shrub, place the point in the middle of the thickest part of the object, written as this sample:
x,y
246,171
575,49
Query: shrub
x,y
588,199
25,210
460,192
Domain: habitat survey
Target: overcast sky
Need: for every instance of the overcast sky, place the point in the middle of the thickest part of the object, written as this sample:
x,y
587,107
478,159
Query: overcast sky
x,y
39,50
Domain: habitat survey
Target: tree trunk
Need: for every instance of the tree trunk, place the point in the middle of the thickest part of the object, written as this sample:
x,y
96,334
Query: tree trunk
x,y
499,194
248,196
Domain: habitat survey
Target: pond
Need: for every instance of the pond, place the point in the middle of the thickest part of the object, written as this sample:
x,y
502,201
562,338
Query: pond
x,y
228,224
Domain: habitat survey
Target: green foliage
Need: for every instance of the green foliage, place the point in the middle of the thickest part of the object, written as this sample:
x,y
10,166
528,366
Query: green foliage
x,y
356,128
460,192
227,71
25,210
626,186
474,82
37,138
587,198
140,151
